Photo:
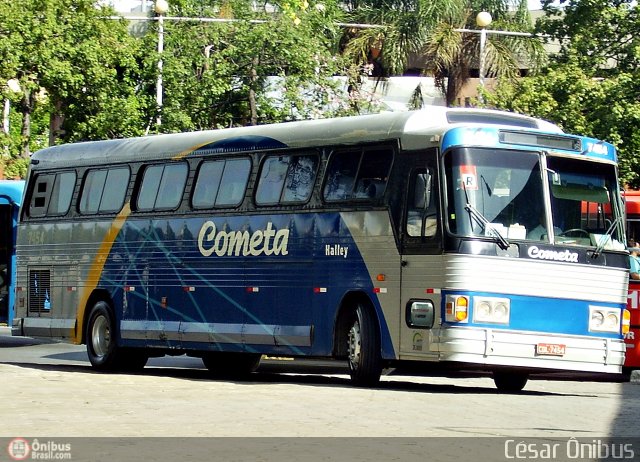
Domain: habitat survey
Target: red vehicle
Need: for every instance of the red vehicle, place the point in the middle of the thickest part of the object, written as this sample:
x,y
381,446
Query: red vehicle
x,y
632,339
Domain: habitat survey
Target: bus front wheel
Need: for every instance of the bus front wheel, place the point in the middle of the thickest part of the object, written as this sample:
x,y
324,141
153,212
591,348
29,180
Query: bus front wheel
x,y
365,364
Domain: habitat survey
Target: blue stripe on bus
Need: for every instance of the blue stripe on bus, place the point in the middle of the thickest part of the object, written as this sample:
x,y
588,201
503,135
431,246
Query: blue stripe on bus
x,y
541,314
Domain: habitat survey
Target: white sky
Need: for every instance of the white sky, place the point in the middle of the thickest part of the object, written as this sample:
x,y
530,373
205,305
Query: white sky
x,y
534,4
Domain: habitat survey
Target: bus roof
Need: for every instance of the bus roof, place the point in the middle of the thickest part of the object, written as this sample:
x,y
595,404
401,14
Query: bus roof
x,y
300,134
11,191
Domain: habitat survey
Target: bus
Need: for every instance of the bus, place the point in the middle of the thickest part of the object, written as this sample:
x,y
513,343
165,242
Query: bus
x,y
387,240
632,339
10,200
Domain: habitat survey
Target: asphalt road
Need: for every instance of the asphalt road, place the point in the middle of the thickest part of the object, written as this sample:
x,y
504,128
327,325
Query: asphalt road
x,y
49,390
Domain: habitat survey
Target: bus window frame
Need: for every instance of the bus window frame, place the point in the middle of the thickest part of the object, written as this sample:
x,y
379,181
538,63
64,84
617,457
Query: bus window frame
x,y
280,202
196,176
51,186
361,150
107,169
141,173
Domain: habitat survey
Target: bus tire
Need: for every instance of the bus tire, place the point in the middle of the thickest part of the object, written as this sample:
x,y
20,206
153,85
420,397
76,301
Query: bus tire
x,y
102,347
509,381
363,347
228,364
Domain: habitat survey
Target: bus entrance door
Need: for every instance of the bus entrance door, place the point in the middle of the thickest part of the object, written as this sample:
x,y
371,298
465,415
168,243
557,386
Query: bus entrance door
x,y
632,339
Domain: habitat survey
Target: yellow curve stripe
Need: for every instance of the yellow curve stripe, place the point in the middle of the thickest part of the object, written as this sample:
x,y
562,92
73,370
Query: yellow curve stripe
x,y
93,276
186,152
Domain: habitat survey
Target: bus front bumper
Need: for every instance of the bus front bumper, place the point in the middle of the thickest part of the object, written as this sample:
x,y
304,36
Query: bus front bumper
x,y
495,347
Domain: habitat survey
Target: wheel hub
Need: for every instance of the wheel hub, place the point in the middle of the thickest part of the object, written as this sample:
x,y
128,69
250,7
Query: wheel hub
x,y
101,336
355,342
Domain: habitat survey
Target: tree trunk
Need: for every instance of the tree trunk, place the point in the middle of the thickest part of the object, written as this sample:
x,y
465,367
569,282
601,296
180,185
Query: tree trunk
x,y
55,123
253,104
452,90
27,108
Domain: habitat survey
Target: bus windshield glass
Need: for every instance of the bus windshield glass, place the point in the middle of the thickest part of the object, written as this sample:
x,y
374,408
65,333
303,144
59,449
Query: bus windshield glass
x,y
501,193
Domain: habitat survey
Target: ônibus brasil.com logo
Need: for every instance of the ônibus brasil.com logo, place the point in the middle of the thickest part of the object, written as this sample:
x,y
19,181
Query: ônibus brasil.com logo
x,y
22,449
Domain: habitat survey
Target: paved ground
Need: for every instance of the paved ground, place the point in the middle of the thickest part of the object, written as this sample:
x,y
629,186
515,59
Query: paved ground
x,y
50,392
50,389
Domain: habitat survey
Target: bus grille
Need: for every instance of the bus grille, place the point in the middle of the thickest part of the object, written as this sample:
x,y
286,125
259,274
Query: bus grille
x,y
39,291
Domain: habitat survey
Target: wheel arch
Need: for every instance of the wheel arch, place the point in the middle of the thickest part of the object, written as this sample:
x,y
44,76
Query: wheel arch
x,y
342,321
96,296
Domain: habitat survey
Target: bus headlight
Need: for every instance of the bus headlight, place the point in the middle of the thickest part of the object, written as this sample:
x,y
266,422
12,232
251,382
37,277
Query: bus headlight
x,y
603,319
457,308
491,310
626,321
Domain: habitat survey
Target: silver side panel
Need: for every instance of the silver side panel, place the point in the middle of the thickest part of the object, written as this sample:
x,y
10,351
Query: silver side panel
x,y
253,334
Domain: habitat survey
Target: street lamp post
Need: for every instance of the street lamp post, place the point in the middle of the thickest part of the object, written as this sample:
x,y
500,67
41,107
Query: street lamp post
x,y
160,7
483,19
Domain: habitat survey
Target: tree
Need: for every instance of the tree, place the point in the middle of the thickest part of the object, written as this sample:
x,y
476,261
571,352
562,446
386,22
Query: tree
x,y
606,109
598,35
592,86
259,67
455,53
425,28
80,62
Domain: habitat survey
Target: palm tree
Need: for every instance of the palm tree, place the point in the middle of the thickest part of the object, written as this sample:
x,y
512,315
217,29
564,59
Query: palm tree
x,y
430,29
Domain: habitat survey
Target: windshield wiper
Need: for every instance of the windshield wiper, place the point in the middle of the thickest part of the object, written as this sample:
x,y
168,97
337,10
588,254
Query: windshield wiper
x,y
500,239
604,238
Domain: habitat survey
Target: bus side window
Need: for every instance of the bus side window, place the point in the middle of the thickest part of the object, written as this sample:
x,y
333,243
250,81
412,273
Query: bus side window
x,y
103,190
358,175
233,183
40,195
207,184
341,175
421,219
52,194
221,183
286,179
162,187
373,173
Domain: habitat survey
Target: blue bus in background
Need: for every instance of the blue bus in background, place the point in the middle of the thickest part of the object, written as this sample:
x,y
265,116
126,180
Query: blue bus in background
x,y
10,199
440,239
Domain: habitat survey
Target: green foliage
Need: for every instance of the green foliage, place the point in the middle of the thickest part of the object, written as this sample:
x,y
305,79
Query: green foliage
x,y
592,86
606,109
88,77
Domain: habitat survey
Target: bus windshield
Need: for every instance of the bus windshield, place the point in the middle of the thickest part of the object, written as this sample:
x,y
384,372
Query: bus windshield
x,y
501,193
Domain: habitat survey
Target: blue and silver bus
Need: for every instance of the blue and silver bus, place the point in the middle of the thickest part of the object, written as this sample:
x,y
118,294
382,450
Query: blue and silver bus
x,y
440,239
10,200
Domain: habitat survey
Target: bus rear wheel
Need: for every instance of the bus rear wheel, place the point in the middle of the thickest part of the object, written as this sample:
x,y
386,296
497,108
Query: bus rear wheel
x,y
226,364
102,348
101,343
363,346
509,381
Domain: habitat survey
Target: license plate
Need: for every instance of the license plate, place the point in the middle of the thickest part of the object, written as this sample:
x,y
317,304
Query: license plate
x,y
551,349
